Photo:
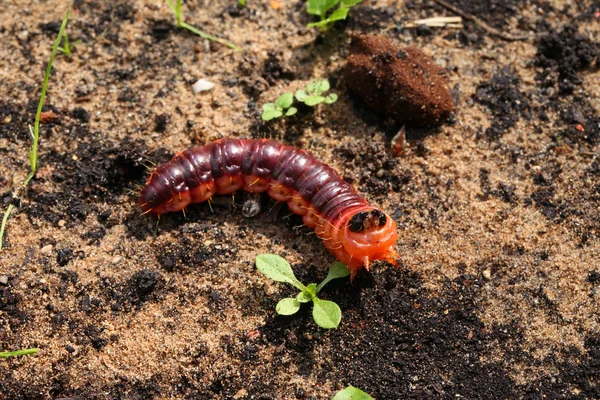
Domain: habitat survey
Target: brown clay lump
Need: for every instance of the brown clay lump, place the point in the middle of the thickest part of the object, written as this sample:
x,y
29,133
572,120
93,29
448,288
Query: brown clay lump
x,y
402,83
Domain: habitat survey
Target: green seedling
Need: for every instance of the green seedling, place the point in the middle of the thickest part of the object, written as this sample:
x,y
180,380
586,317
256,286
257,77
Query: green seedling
x,y
312,95
176,8
322,7
67,49
277,109
351,393
242,3
35,131
326,314
23,352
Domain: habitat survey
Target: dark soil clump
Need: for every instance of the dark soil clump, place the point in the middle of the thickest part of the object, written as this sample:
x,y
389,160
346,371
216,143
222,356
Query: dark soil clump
x,y
504,99
563,55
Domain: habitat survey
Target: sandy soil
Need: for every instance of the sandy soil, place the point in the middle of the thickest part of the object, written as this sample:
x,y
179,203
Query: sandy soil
x,y
498,209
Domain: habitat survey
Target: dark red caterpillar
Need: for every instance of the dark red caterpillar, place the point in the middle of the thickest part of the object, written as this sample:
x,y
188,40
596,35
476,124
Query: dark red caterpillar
x,y
354,231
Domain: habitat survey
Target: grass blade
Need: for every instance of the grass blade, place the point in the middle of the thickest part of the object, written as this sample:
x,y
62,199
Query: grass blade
x,y
33,152
23,352
4,221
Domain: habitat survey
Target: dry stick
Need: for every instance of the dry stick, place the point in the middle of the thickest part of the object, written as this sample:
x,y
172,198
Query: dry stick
x,y
482,24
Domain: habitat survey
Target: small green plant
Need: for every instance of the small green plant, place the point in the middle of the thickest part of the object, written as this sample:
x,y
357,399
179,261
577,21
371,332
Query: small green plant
x,y
276,110
242,3
176,8
67,49
35,131
312,95
351,393
322,7
23,352
326,314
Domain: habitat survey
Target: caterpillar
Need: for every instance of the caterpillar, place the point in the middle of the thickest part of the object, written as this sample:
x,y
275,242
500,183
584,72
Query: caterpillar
x,y
355,232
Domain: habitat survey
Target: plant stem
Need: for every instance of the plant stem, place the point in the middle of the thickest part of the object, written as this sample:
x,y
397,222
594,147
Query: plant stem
x,y
178,13
176,8
33,152
23,352
67,48
4,221
207,36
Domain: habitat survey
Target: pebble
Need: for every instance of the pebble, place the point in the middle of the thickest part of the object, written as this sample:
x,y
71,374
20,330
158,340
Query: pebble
x,y
47,250
4,280
117,259
62,223
487,274
202,85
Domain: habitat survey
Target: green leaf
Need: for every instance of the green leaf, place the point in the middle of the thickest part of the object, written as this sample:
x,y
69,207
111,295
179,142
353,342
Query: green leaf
x,y
339,14
337,270
23,352
321,86
312,289
314,100
291,111
351,393
304,297
285,100
326,313
269,107
350,3
287,306
320,7
301,95
277,269
331,98
271,114
312,86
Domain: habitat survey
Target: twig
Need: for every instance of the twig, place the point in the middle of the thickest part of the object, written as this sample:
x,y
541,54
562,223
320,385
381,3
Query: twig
x,y
437,22
482,24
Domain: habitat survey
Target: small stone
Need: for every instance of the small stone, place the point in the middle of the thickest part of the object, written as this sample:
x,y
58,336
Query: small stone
x,y
240,393
3,280
116,260
251,207
47,250
487,274
202,85
62,223
380,173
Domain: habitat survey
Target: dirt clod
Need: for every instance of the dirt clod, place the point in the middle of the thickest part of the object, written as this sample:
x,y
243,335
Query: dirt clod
x,y
567,52
403,83
145,281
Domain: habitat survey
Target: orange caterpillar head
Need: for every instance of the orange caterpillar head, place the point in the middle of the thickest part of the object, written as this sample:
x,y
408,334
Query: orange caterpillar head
x,y
368,234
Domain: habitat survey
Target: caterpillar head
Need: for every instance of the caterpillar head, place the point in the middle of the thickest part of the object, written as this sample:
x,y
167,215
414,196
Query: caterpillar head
x,y
370,234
